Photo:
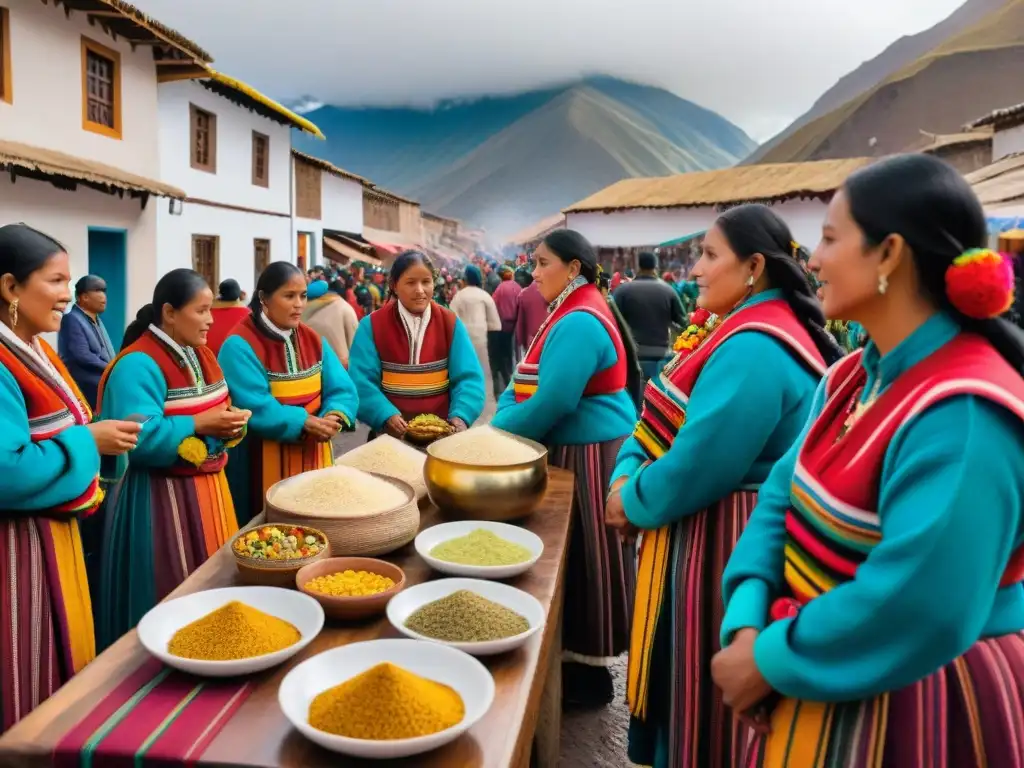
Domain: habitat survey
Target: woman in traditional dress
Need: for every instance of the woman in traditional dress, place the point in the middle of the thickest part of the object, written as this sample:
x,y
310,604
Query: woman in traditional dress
x,y
228,311
569,393
476,309
874,604
413,356
172,509
329,314
293,383
724,410
49,462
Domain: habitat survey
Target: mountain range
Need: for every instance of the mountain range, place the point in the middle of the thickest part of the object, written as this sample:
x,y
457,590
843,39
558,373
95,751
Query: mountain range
x,y
963,67
505,162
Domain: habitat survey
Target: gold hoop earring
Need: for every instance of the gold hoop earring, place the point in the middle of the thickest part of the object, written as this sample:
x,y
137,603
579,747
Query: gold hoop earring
x,y
12,310
883,285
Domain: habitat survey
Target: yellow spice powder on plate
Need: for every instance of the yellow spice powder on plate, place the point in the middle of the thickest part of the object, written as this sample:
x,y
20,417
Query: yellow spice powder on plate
x,y
386,702
233,631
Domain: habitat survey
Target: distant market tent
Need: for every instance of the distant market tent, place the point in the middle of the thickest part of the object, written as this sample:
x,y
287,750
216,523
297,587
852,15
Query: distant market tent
x,y
683,240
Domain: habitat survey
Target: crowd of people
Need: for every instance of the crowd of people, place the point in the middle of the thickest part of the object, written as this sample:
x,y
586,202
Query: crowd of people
x,y
812,556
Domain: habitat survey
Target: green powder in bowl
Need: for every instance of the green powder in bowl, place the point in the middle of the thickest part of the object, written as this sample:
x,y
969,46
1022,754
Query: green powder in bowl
x,y
483,548
466,617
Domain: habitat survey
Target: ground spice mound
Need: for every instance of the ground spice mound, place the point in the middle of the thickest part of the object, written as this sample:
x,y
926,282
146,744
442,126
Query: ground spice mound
x,y
233,631
466,617
481,547
386,702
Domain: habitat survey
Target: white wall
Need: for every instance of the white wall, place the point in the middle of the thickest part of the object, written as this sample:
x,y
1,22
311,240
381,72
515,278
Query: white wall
x,y
232,183
46,62
236,230
654,226
1007,142
67,216
342,204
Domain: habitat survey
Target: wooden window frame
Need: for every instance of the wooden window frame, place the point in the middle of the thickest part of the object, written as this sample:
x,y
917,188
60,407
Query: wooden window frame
x,y
91,46
216,258
193,113
257,268
6,73
256,180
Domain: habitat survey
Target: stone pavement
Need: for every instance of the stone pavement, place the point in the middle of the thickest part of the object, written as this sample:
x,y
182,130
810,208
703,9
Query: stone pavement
x,y
590,739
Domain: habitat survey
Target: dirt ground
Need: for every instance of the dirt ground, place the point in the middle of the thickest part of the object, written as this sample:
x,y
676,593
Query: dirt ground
x,y
590,739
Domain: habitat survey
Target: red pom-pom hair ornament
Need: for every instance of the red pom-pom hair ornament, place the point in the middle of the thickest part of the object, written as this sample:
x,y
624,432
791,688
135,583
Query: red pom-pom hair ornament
x,y
979,284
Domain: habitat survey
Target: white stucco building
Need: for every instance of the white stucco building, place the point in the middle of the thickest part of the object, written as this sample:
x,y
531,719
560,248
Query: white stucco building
x,y
230,147
78,135
647,212
1000,186
328,213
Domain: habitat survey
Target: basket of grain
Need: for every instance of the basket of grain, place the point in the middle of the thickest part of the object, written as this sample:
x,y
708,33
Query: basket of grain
x,y
390,457
486,474
363,514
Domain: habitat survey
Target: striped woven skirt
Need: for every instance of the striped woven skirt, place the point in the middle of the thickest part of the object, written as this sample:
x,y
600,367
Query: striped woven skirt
x,y
256,464
158,530
969,714
47,632
601,571
688,724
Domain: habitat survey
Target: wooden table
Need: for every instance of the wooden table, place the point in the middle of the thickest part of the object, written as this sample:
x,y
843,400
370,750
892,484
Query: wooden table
x,y
527,681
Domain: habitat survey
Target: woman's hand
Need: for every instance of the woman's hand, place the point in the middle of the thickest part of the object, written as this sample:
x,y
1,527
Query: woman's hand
x,y
734,671
615,512
114,438
458,425
396,426
321,430
223,423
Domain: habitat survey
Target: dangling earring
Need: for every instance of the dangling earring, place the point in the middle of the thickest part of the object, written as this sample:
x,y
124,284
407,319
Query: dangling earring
x,y
750,282
13,312
883,285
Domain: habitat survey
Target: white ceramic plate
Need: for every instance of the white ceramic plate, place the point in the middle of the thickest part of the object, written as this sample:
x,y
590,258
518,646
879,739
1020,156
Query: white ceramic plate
x,y
470,679
438,534
405,603
159,625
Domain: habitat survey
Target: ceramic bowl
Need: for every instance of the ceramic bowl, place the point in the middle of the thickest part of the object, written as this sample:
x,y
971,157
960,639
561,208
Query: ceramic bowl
x,y
438,534
351,607
467,676
159,625
412,599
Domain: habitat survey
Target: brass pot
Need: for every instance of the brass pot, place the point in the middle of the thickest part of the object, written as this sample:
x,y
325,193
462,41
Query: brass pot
x,y
495,493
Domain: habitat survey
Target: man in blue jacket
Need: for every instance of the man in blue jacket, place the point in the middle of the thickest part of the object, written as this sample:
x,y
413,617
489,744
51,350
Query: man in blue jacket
x,y
83,343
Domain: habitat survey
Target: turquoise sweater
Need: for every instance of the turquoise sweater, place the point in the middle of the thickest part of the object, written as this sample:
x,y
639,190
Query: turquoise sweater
x,y
43,475
951,504
577,347
465,379
137,386
746,409
272,420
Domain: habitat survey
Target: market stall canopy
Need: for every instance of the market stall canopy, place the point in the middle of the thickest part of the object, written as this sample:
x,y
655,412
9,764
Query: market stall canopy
x,y
1001,183
743,184
67,172
391,242
682,240
347,253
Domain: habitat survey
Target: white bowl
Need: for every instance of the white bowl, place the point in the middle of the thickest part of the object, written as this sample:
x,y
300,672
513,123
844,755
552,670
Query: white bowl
x,y
159,625
467,676
407,602
438,534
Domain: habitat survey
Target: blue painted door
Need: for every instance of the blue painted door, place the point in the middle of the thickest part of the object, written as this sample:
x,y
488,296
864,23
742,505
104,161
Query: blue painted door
x,y
108,258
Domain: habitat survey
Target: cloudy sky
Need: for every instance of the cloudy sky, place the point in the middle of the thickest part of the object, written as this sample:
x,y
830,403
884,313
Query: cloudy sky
x,y
760,63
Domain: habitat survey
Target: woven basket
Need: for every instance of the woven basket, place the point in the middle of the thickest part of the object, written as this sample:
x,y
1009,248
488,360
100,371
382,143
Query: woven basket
x,y
275,573
369,535
357,456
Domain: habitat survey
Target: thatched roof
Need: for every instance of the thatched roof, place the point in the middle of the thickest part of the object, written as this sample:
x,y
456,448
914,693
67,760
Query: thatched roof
x,y
742,184
175,54
375,191
1001,182
246,96
330,168
537,230
1007,117
66,172
933,142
